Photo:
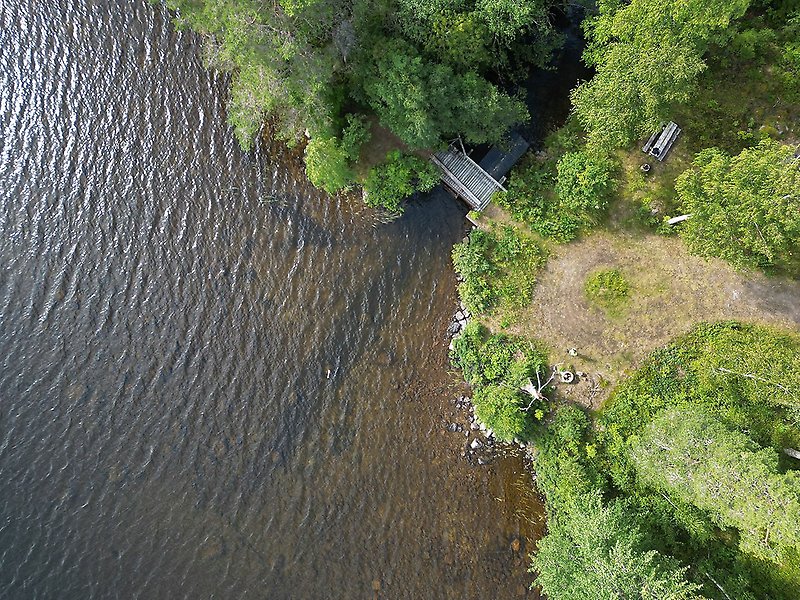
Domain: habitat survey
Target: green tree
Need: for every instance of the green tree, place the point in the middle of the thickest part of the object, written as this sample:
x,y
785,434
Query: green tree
x,y
648,54
595,552
696,459
745,209
388,184
301,65
424,102
327,164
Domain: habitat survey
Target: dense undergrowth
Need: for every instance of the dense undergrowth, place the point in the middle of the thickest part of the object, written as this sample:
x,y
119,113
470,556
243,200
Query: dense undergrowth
x,y
679,487
498,268
497,366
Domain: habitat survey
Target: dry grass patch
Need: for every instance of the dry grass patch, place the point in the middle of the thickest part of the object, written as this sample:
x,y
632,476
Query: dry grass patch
x,y
671,291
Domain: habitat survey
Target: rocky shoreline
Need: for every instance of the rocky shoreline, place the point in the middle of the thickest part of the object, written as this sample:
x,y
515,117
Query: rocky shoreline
x,y
481,447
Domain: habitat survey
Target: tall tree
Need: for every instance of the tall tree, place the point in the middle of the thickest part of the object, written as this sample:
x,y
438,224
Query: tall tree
x,y
648,54
697,459
746,208
595,552
424,102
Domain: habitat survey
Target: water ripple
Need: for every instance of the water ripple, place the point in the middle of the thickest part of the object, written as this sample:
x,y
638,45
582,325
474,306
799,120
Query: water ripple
x,y
169,310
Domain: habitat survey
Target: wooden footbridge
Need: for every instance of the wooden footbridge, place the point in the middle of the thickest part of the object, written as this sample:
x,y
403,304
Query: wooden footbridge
x,y
476,183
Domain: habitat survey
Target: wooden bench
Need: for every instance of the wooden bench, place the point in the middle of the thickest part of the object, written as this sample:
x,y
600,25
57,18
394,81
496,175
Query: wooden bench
x,y
661,142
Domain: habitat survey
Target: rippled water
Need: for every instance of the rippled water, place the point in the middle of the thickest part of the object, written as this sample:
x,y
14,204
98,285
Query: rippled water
x,y
169,309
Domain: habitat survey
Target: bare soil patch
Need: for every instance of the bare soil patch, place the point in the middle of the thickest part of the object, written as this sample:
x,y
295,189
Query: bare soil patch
x,y
670,291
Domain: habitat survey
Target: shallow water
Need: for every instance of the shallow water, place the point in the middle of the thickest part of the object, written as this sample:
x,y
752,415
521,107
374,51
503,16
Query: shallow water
x,y
169,309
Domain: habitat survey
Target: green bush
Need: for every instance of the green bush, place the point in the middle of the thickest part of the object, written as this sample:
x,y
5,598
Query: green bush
x,y
496,359
563,193
327,164
502,409
498,269
562,458
388,184
497,366
583,182
607,289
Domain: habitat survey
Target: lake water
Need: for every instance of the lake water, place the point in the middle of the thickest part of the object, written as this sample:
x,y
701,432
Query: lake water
x,y
169,310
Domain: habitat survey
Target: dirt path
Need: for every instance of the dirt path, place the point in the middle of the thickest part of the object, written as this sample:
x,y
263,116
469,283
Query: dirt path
x,y
670,291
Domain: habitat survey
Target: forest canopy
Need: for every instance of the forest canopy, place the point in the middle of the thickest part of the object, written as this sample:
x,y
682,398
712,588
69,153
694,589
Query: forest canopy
x,y
427,70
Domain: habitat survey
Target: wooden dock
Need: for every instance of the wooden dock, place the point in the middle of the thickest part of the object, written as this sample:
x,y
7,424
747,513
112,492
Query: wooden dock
x,y
466,178
477,183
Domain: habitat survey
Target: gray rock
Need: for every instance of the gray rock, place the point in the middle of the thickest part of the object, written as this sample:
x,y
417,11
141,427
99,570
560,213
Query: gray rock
x,y
475,444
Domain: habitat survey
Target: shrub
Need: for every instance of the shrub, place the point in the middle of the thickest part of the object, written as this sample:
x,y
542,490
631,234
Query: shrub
x,y
562,194
498,269
496,359
327,164
563,468
388,184
584,181
502,409
497,366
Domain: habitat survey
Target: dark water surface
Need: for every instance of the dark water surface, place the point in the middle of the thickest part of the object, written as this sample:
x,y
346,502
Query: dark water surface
x,y
169,308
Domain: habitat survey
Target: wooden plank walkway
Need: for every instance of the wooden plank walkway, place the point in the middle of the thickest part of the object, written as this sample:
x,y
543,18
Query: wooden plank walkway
x,y
466,178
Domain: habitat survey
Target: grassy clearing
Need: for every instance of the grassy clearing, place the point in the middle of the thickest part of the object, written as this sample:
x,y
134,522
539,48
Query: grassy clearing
x,y
673,291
